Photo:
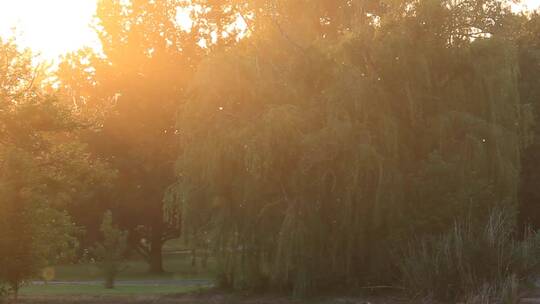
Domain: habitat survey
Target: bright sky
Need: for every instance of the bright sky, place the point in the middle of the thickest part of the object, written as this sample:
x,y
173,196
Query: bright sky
x,y
528,5
49,27
55,27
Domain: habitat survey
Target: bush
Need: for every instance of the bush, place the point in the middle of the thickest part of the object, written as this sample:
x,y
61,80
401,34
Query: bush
x,y
472,264
110,252
3,292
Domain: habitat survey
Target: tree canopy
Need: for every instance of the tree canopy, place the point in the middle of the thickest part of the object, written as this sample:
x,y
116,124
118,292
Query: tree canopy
x,y
44,168
340,138
309,146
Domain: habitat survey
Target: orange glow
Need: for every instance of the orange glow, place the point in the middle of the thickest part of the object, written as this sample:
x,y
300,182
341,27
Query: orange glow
x,y
49,27
55,27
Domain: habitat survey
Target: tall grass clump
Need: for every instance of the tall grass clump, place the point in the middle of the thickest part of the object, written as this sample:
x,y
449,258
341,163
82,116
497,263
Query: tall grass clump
x,y
474,263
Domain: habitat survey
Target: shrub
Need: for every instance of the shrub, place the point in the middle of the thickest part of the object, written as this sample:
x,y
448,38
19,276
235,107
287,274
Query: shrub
x,y
3,292
472,264
110,252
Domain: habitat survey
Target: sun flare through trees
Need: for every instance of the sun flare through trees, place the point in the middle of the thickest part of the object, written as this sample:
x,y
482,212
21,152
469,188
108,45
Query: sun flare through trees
x,y
359,148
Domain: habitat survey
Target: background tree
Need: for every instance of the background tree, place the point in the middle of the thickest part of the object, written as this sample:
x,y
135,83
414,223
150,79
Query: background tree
x,y
134,90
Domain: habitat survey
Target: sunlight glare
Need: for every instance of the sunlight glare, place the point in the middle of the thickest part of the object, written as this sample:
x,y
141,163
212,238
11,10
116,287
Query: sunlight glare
x,y
533,4
527,5
49,27
183,18
52,28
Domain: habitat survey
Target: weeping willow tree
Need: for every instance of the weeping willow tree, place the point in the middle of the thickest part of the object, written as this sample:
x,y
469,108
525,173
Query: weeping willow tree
x,y
318,145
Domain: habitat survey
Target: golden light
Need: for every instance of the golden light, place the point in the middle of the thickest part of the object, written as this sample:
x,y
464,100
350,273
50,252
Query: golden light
x,y
527,5
55,27
533,4
49,27
183,18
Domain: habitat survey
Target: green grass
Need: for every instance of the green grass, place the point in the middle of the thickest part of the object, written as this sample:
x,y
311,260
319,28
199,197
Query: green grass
x,y
64,290
177,266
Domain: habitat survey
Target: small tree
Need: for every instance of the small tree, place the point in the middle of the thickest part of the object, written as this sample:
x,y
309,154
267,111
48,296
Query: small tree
x,y
43,169
110,252
33,232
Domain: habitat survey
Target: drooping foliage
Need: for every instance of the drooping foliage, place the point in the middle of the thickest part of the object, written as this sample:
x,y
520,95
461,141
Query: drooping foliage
x,y
529,58
319,145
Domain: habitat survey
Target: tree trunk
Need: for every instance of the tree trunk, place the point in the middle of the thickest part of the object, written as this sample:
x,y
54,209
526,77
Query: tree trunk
x,y
204,262
109,282
193,257
155,257
156,260
16,293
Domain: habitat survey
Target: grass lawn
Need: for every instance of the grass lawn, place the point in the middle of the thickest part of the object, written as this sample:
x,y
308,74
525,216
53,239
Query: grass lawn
x,y
64,290
85,279
177,266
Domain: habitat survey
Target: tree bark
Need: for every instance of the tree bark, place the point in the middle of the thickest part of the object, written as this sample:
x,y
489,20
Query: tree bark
x,y
16,292
193,257
109,282
204,262
156,260
155,257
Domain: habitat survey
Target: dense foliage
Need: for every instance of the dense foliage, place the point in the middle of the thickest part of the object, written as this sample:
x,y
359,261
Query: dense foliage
x,y
529,59
310,145
343,137
43,169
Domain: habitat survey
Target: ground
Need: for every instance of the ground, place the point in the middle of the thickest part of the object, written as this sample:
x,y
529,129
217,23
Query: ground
x,y
217,297
207,297
176,263
182,284
98,290
78,281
